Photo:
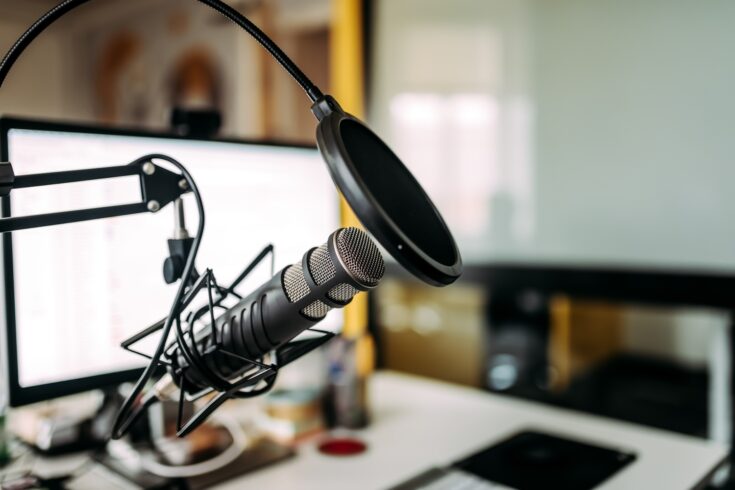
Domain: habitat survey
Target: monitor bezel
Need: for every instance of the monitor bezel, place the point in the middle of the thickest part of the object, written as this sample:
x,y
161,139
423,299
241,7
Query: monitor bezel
x,y
19,395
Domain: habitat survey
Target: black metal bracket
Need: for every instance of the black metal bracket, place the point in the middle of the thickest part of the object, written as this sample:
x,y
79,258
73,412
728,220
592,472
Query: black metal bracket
x,y
158,187
253,384
259,380
173,266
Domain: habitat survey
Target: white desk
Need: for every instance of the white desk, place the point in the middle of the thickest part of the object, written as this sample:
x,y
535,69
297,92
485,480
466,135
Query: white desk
x,y
420,423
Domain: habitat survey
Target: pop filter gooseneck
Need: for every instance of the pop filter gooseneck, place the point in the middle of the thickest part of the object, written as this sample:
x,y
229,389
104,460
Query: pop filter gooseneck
x,y
384,195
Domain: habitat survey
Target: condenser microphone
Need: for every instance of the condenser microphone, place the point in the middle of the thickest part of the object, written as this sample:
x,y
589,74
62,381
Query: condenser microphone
x,y
293,300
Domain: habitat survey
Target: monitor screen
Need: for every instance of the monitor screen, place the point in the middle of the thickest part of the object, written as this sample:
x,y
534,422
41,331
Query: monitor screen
x,y
80,289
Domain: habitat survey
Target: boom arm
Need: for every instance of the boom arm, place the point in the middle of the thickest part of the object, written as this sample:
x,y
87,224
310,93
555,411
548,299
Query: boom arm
x,y
158,187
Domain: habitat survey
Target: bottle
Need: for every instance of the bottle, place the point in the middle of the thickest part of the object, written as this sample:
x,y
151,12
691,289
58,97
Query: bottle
x,y
351,363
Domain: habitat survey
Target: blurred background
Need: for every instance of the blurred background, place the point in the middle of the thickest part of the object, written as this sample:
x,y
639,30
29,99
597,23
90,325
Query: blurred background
x,y
580,151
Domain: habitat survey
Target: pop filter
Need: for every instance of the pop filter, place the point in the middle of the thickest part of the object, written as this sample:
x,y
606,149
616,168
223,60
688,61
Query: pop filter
x,y
384,195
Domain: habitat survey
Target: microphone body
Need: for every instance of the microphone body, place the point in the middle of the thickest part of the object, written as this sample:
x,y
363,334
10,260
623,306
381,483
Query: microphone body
x,y
293,300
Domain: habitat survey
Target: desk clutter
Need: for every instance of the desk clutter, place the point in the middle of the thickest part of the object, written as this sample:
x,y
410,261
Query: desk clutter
x,y
423,434
246,438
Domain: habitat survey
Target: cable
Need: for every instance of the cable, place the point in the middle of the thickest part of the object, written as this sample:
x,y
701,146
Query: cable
x,y
127,414
233,451
229,12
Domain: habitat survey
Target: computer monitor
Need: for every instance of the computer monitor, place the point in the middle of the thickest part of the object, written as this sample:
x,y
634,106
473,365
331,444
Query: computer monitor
x,y
74,292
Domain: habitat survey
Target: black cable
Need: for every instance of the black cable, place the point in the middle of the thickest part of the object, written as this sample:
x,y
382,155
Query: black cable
x,y
127,413
229,12
135,414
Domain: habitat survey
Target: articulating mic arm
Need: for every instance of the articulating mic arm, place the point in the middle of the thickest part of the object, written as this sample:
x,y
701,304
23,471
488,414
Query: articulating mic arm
x,y
158,187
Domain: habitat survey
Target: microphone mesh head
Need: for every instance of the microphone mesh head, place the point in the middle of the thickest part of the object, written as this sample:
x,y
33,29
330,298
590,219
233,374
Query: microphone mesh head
x,y
342,293
322,270
360,256
297,288
316,310
361,259
321,266
294,283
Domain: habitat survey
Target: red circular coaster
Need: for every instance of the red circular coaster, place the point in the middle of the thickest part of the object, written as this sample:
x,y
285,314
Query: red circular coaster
x,y
342,447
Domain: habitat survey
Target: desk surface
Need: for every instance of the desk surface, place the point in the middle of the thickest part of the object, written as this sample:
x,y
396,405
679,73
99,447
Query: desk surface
x,y
418,423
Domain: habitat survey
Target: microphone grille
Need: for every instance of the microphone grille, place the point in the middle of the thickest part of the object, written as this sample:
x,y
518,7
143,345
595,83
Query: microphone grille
x,y
296,288
316,310
342,293
320,265
294,283
361,256
322,270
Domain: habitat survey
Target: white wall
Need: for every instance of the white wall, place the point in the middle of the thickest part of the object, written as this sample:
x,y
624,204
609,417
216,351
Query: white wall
x,y
608,138
608,133
635,118
451,93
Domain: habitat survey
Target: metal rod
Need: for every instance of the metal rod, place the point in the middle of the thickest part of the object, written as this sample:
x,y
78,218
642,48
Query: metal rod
x,y
245,359
51,219
143,334
180,232
180,411
269,249
69,176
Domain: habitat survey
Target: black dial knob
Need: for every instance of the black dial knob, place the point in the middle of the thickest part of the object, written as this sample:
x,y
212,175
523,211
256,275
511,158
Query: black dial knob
x,y
173,267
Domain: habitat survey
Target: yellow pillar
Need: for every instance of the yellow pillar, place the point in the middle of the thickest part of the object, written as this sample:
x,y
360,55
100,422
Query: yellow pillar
x,y
347,86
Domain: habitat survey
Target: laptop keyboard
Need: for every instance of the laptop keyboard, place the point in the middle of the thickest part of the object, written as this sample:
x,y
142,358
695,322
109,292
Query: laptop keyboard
x,y
448,479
